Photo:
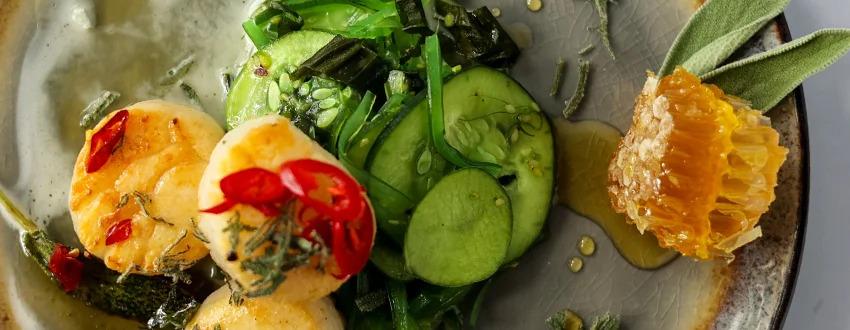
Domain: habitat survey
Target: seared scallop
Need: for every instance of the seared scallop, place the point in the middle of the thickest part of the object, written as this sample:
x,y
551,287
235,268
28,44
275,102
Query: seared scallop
x,y
137,210
265,143
269,312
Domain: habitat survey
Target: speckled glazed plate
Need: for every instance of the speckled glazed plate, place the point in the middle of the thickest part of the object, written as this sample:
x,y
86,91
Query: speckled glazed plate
x,y
51,67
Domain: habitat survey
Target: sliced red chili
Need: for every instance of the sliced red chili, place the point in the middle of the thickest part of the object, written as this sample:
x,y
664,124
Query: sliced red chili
x,y
301,177
351,244
106,140
224,206
67,269
254,186
119,232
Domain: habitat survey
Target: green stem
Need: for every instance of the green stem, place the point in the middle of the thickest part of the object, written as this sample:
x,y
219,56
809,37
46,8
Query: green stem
x,y
16,214
433,67
256,34
402,319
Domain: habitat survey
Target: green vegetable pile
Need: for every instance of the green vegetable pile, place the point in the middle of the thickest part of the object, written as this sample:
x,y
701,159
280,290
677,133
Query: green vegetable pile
x,y
456,156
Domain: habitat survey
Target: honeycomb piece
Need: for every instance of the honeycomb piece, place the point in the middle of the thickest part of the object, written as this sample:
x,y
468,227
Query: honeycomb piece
x,y
697,168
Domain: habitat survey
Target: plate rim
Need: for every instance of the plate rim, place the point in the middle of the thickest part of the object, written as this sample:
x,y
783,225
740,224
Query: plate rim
x,y
787,295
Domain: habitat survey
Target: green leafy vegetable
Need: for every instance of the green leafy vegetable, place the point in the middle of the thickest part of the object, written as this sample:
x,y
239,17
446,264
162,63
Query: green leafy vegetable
x,y
474,37
402,318
434,66
767,78
412,16
716,30
366,19
348,61
390,261
390,205
434,300
575,101
96,109
256,34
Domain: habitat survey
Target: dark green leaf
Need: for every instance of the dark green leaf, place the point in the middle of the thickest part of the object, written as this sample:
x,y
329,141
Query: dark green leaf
x,y
412,16
348,61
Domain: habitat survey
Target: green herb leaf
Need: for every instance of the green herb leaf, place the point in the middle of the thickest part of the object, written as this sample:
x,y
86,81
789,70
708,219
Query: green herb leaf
x,y
96,109
606,321
402,318
602,11
177,72
191,94
766,79
716,30
565,320
575,101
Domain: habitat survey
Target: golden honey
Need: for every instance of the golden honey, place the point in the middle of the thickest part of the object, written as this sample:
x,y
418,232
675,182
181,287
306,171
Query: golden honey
x,y
697,168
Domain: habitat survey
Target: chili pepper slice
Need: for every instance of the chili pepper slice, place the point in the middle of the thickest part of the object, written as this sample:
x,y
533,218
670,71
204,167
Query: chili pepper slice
x,y
254,186
119,232
67,269
301,177
106,140
351,244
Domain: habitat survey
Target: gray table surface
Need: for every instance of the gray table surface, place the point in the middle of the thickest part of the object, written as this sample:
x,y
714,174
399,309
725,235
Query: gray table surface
x,y
822,296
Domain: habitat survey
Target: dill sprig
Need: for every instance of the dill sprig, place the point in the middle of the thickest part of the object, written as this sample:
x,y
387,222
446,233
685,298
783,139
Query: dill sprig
x,y
281,252
143,200
171,263
575,101
236,290
197,231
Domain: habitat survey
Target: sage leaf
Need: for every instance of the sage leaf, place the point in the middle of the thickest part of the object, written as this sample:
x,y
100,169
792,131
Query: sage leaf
x,y
716,30
766,79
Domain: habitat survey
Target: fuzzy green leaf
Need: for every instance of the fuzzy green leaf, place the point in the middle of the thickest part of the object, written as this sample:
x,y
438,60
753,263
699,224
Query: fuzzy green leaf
x,y
716,30
767,78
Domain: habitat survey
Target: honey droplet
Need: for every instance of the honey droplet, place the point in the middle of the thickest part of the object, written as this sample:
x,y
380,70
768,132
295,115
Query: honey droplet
x,y
576,264
586,246
534,5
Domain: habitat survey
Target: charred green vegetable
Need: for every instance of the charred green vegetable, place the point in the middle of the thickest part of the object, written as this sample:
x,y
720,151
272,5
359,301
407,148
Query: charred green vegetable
x,y
159,302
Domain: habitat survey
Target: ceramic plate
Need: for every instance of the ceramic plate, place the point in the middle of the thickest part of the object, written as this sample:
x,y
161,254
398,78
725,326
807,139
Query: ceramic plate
x,y
52,67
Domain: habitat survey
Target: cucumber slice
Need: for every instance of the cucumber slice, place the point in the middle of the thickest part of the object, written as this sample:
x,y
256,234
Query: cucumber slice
x,y
459,234
317,106
489,117
405,158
